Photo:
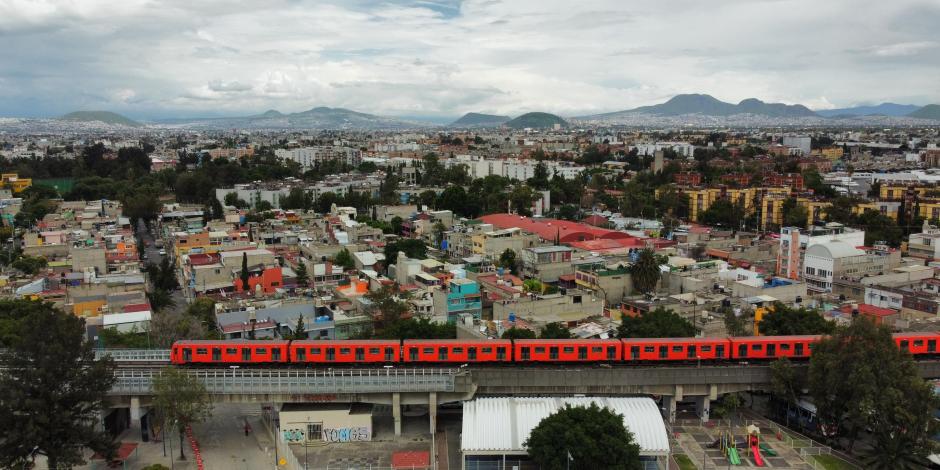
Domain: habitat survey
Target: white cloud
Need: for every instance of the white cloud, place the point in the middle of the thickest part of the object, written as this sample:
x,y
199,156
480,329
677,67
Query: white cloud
x,y
450,57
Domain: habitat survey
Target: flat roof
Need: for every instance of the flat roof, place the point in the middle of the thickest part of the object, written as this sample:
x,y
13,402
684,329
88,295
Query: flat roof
x,y
503,424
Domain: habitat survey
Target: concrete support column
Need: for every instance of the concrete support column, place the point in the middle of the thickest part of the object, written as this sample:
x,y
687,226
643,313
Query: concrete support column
x,y
712,392
396,412
678,393
135,412
669,405
432,412
703,408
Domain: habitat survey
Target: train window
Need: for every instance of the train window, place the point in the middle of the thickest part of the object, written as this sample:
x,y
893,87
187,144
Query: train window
x,y
261,350
487,350
373,350
635,352
904,345
201,351
275,354
568,350
553,352
677,349
472,354
428,350
611,352
771,349
597,349
344,350
389,354
663,352
501,353
216,354
330,354
918,343
231,351
706,348
315,351
720,351
540,350
301,354
458,350
649,349
361,354
246,354
798,349
413,354
757,347
742,350
582,352
784,347
525,353
931,345
442,353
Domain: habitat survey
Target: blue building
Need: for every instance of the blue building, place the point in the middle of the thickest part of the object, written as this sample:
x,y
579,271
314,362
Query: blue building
x,y
460,297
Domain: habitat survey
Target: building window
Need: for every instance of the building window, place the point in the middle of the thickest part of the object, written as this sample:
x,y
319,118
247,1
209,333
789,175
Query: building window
x,y
314,431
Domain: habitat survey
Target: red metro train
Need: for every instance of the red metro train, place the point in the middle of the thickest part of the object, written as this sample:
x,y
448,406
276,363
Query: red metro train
x,y
520,351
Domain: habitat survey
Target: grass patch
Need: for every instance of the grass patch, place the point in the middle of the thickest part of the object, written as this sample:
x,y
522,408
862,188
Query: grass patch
x,y
831,462
685,463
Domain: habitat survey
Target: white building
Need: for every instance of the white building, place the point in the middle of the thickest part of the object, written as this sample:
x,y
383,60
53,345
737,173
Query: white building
x,y
804,143
479,167
793,243
650,148
308,157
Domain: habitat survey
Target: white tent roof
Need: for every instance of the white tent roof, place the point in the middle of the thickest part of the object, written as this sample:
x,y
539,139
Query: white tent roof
x,y
502,424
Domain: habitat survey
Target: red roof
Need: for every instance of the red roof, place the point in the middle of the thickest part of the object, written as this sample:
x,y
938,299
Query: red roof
x,y
136,308
411,459
202,259
607,246
595,220
869,310
548,229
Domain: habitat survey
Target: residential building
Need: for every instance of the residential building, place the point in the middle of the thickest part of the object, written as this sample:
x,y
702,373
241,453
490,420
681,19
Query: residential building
x,y
460,297
547,263
824,262
793,243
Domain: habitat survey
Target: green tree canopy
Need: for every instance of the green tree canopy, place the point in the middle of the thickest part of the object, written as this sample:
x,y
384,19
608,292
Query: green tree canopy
x,y
419,328
303,279
554,330
786,321
859,379
518,333
385,307
181,400
645,271
52,389
507,259
659,323
594,438
345,259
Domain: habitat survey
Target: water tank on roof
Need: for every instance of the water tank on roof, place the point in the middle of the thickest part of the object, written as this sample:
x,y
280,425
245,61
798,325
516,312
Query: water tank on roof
x,y
512,317
500,271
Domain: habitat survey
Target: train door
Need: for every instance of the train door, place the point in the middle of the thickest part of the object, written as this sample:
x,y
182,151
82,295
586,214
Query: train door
x,y
275,354
330,354
771,350
664,352
582,353
931,345
501,353
905,344
217,354
691,352
442,353
246,354
187,355
634,352
413,354
798,349
524,351
360,354
553,353
389,354
720,351
301,355
471,353
611,353
742,350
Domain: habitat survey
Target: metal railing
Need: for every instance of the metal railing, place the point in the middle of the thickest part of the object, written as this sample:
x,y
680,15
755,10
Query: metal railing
x,y
134,355
294,381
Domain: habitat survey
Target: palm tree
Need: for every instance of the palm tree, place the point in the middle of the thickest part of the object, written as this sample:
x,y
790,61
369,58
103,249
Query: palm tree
x,y
645,271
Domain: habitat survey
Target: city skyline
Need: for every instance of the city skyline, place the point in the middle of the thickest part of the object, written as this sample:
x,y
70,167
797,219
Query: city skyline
x,y
438,59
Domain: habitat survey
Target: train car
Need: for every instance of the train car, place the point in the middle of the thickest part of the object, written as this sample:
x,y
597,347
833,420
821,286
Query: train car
x,y
918,344
345,352
456,350
237,352
675,349
567,350
772,347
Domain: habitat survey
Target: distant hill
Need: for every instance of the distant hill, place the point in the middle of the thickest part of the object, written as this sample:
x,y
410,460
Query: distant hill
x,y
106,117
883,109
931,111
536,120
316,118
708,105
479,120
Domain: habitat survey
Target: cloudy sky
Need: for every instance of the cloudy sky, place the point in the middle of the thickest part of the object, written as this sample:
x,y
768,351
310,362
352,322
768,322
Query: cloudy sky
x,y
160,58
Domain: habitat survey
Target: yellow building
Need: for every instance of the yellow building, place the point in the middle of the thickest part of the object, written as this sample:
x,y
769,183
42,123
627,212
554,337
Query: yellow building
x,y
888,208
929,210
832,153
752,199
14,183
90,306
772,210
897,192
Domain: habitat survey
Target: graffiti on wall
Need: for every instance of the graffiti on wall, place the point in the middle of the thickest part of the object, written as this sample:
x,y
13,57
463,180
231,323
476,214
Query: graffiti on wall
x,y
361,433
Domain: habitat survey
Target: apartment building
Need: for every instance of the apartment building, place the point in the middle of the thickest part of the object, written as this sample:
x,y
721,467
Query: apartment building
x,y
824,262
793,244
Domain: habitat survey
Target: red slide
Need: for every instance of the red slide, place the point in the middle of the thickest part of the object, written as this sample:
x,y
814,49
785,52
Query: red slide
x,y
755,450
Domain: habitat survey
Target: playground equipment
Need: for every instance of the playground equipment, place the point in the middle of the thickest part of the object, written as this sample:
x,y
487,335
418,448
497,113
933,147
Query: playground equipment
x,y
753,444
729,447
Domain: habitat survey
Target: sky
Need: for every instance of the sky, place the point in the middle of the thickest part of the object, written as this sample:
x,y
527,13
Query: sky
x,y
442,58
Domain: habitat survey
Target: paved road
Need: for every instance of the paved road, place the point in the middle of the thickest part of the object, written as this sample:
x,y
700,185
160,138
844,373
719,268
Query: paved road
x,y
154,257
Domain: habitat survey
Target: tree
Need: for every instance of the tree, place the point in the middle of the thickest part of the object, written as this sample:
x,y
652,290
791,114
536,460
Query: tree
x,y
785,321
786,383
419,328
300,330
522,198
735,325
181,400
645,271
859,379
412,247
244,275
794,215
507,259
303,280
592,436
202,310
385,308
659,323
554,330
439,229
880,228
729,405
344,258
52,388
518,333
169,326
160,300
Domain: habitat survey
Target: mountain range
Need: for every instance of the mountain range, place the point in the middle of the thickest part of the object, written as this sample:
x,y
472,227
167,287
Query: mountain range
x,y
710,106
106,117
479,120
883,109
